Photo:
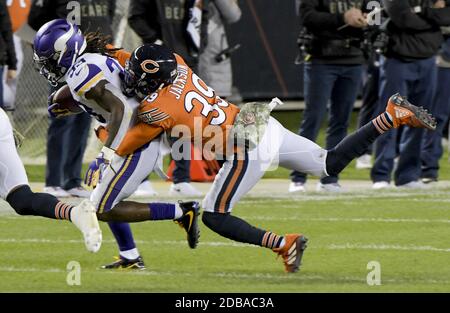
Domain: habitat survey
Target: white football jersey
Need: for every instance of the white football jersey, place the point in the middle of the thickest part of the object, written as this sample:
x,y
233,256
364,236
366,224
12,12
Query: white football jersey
x,y
88,70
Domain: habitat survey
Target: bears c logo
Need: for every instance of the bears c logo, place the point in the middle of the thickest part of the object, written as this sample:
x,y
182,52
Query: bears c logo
x,y
150,66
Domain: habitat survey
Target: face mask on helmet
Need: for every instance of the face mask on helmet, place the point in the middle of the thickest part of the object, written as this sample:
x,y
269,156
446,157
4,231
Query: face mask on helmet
x,y
126,84
49,68
138,86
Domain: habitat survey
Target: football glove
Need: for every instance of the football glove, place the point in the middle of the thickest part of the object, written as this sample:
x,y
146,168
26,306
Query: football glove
x,y
57,111
54,109
97,167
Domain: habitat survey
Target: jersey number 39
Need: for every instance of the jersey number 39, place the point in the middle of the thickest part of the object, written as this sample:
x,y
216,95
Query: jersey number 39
x,y
201,95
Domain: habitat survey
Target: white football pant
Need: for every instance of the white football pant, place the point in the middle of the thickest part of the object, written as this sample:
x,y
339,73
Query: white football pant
x,y
12,171
278,146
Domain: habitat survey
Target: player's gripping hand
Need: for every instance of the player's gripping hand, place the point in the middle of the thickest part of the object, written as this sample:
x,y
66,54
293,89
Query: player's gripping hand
x,y
57,111
94,173
97,167
54,109
60,103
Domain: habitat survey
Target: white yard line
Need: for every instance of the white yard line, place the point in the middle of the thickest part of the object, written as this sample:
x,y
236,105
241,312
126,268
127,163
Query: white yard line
x,y
346,246
307,219
352,246
340,219
231,275
111,241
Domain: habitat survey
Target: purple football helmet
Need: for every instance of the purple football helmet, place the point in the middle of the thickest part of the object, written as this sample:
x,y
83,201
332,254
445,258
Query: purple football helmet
x,y
57,45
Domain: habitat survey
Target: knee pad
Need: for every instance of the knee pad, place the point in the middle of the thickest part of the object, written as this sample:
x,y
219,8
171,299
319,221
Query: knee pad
x,y
21,200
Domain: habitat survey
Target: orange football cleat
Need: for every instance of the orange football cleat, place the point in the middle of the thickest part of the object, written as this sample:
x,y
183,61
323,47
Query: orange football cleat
x,y
405,113
292,251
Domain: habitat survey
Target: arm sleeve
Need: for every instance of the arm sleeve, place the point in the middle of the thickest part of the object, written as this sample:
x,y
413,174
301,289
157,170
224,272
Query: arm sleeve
x,y
122,56
137,19
150,112
229,9
439,17
316,20
136,137
6,33
403,17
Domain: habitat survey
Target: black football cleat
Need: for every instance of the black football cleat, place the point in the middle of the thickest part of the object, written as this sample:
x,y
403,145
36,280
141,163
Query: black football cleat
x,y
189,221
122,263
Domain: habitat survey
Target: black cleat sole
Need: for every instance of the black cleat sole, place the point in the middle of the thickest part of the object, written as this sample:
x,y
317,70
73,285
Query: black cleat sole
x,y
194,232
301,245
423,116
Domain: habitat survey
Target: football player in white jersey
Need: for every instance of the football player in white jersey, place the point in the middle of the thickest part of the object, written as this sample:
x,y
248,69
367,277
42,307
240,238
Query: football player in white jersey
x,y
63,53
15,190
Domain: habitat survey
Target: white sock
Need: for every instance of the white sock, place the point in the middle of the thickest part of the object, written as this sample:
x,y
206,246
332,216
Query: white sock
x,y
130,254
178,211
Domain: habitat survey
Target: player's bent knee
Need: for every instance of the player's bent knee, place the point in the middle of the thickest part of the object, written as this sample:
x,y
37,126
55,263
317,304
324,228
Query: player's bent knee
x,y
334,164
21,200
105,216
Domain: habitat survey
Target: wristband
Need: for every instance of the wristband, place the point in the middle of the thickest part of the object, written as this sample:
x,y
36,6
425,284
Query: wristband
x,y
108,153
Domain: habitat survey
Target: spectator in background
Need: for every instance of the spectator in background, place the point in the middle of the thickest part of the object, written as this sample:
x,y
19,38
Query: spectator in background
x,y
67,137
409,67
214,70
332,73
18,12
166,21
369,104
432,149
8,61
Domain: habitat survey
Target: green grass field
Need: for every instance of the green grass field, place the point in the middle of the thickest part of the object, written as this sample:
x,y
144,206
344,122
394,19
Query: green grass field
x,y
406,232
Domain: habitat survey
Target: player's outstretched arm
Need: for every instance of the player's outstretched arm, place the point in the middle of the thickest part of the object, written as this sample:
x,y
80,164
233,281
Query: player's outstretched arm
x,y
122,56
137,136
